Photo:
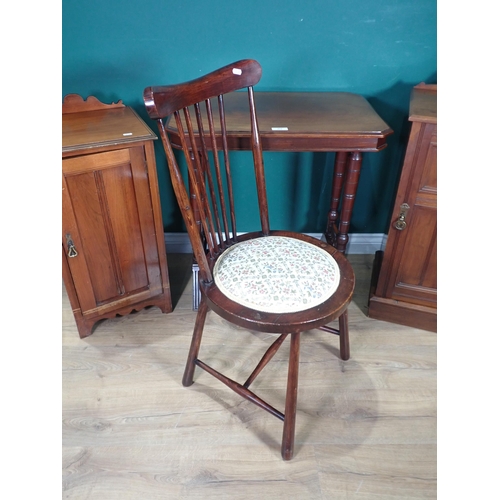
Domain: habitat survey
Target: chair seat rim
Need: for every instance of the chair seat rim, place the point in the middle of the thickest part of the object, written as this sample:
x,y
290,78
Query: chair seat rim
x,y
285,322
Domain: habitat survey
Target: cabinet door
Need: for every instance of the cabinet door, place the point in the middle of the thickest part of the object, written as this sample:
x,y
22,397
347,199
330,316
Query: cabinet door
x,y
413,275
108,216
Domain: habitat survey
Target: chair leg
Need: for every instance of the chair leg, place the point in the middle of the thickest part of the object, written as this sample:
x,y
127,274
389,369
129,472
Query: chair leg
x,y
291,398
187,379
345,351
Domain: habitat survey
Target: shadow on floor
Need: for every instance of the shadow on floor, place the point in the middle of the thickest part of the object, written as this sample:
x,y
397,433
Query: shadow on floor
x,y
179,271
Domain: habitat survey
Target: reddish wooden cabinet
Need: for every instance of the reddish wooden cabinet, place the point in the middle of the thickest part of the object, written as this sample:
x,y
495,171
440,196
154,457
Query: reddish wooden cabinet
x,y
404,288
114,258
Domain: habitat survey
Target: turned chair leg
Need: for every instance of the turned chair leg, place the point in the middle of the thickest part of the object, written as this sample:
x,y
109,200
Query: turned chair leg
x,y
345,351
291,398
187,379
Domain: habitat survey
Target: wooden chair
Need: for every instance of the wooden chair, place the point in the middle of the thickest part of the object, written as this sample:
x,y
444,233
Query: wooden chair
x,y
268,281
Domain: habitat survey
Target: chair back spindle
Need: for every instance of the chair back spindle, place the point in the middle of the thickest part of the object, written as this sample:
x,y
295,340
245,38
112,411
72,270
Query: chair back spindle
x,y
207,201
279,282
258,165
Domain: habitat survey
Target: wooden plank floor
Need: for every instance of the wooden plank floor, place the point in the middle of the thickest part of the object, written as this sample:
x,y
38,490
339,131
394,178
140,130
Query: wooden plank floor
x,y
366,428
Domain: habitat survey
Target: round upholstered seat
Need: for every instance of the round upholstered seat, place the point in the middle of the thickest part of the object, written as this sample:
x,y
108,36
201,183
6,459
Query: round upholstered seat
x,y
277,274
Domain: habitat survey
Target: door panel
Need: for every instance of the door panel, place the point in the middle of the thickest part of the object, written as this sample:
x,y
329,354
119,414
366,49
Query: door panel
x,y
414,279
108,204
404,288
78,265
120,200
146,218
84,193
416,275
428,180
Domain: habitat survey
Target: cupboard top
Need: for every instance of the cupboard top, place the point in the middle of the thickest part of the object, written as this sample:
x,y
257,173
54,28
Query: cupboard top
x,y
103,127
423,103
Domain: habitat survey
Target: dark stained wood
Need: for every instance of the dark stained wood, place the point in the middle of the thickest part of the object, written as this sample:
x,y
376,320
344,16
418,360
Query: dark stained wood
x,y
423,104
75,103
291,398
403,313
350,187
241,390
309,319
331,230
207,203
345,345
315,121
161,101
273,349
306,121
343,333
111,216
194,349
102,128
366,425
258,165
406,288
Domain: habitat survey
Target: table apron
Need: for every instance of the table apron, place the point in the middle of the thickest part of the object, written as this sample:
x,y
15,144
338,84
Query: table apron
x,y
300,144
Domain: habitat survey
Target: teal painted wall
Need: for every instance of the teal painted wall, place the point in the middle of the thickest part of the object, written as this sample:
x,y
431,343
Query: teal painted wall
x,y
113,49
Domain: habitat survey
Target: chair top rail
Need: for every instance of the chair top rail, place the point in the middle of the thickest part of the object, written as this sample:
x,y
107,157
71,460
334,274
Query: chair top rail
x,y
161,101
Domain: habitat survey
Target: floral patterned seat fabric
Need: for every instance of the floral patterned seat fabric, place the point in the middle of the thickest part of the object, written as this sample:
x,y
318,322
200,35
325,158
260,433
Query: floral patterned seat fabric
x,y
277,274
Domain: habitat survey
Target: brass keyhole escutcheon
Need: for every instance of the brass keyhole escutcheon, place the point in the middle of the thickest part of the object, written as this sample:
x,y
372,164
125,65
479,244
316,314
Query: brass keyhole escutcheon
x,y
400,224
71,247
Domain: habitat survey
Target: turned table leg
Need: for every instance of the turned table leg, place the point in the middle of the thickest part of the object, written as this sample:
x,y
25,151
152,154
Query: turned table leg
x,y
348,197
333,214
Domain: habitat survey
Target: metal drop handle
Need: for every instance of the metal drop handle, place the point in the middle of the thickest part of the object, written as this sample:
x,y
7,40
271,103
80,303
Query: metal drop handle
x,y
71,247
400,224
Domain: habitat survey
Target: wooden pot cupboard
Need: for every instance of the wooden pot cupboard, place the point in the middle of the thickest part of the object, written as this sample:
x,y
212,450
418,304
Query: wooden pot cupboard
x,y
404,282
114,258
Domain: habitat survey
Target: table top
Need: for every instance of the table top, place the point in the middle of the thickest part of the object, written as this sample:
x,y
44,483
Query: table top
x,y
103,127
305,121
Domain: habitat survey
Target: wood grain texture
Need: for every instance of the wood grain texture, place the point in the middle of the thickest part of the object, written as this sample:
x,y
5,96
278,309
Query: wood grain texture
x,y
102,127
313,121
366,428
406,284
207,210
111,214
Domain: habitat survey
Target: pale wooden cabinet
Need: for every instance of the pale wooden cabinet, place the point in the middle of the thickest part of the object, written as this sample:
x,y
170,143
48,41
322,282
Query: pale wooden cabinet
x,y
114,257
404,285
